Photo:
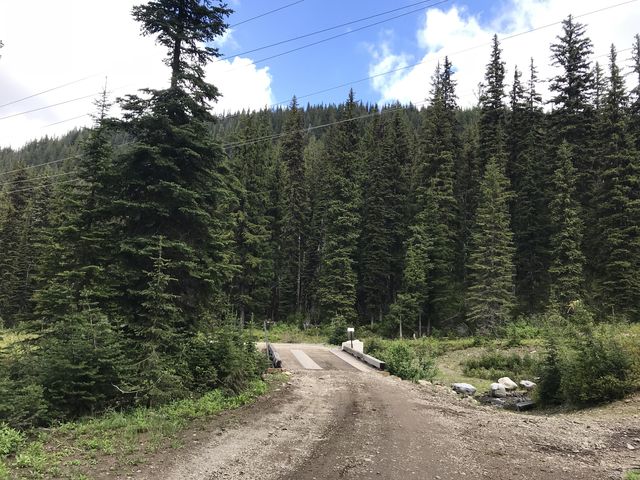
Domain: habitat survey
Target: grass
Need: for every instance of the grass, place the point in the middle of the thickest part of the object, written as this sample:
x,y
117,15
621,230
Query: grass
x,y
289,333
630,475
122,439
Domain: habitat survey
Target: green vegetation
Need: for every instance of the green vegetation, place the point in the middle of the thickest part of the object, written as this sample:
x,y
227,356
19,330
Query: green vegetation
x,y
127,286
587,363
495,364
72,449
630,475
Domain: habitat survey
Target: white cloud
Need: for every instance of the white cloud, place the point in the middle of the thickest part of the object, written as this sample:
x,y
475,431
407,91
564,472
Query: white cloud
x,y
455,31
71,39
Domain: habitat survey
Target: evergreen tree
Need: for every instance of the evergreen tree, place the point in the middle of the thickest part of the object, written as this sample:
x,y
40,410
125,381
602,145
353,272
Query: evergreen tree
x,y
253,253
490,295
529,206
296,214
384,149
567,260
173,181
492,108
618,206
337,275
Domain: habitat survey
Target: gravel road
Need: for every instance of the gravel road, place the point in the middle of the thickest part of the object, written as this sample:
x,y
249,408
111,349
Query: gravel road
x,y
340,421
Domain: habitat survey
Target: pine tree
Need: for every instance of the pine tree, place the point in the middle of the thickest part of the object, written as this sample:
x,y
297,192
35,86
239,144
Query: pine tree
x,y
618,206
490,295
439,147
382,215
296,214
337,275
529,205
17,252
253,251
173,181
567,260
492,108
635,93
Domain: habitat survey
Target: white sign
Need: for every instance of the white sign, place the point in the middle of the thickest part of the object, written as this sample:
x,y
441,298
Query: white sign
x,y
351,330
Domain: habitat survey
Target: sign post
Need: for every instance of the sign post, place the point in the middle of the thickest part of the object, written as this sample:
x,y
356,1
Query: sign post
x,y
350,331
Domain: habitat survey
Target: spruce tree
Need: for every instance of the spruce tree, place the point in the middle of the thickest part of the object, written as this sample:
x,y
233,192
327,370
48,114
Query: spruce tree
x,y
492,107
295,214
490,294
618,205
173,180
529,206
567,260
337,275
383,217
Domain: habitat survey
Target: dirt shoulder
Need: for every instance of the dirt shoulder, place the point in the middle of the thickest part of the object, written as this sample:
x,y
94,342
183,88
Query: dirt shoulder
x,y
349,424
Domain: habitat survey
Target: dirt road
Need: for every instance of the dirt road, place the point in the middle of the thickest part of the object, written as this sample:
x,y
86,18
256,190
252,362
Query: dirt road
x,y
336,419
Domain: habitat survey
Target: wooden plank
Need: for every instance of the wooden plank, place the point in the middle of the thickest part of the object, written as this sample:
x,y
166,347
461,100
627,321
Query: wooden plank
x,y
374,362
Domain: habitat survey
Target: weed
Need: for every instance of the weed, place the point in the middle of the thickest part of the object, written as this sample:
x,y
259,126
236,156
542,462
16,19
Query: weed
x,y
10,440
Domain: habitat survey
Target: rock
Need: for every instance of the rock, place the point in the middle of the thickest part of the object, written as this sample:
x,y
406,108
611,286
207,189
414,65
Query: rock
x,y
630,447
358,346
424,383
464,388
527,385
508,383
498,390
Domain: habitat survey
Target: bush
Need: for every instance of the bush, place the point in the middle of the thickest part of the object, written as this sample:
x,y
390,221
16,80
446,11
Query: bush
x,y
10,440
522,329
586,364
492,365
407,363
338,332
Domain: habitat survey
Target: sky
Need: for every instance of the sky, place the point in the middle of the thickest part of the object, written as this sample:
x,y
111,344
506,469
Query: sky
x,y
71,49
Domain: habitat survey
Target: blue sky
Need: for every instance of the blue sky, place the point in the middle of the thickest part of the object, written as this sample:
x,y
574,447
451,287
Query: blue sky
x,y
336,61
73,55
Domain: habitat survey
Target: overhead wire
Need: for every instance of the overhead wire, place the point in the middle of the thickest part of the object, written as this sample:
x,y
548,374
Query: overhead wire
x,y
324,30
265,14
424,62
333,37
73,82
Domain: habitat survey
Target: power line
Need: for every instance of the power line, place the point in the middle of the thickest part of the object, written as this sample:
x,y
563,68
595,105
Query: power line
x,y
66,120
33,179
333,37
266,13
44,185
62,103
274,136
424,62
50,106
48,90
29,167
324,30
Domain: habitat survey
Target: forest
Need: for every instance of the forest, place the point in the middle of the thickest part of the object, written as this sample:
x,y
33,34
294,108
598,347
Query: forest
x,y
133,254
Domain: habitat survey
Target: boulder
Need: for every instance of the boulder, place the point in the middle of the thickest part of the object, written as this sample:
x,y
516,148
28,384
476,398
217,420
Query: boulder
x,y
508,383
358,346
527,385
498,390
463,388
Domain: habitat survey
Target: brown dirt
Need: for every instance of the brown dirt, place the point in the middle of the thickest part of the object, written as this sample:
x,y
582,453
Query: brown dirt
x,y
342,423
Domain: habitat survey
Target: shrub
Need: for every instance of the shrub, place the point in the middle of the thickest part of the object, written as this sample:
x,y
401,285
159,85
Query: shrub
x,y
10,440
407,363
586,364
522,329
338,332
492,365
